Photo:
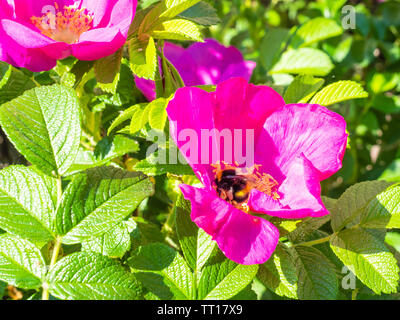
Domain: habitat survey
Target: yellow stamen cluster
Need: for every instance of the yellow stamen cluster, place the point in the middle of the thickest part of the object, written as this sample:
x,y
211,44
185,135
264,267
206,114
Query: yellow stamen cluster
x,y
254,178
64,26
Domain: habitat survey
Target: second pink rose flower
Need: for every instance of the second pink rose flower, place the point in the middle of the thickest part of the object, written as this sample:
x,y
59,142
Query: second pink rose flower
x,y
207,63
35,34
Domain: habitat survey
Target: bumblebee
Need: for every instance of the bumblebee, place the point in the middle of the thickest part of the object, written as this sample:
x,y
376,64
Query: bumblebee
x,y
234,184
232,187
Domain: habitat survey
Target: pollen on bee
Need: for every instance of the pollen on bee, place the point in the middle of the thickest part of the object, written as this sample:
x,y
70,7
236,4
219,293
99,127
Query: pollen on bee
x,y
234,184
65,25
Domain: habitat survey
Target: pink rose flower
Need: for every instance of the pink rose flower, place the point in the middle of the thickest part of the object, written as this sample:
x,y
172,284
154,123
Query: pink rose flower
x,y
207,63
35,34
296,147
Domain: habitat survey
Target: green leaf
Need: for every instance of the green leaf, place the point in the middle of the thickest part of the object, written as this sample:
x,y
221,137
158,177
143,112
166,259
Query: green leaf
x,y
201,13
329,203
306,227
13,82
21,263
171,8
107,68
222,278
365,254
197,246
127,114
44,126
393,239
172,80
163,271
392,172
145,233
279,273
391,13
3,286
207,88
386,103
84,160
304,61
27,203
80,70
177,29
383,82
272,46
383,211
139,119
350,205
302,89
143,58
114,243
316,30
153,166
338,92
113,147
97,200
91,276
158,113
316,275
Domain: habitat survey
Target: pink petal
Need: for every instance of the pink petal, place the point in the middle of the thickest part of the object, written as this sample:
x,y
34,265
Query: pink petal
x,y
235,105
173,52
147,87
209,212
208,63
312,130
190,111
6,9
213,54
110,13
244,69
24,10
241,237
33,59
241,105
300,194
109,34
3,53
98,43
246,239
302,189
26,35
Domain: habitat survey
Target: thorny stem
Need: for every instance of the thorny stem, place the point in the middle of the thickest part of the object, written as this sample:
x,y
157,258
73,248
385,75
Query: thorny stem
x,y
57,243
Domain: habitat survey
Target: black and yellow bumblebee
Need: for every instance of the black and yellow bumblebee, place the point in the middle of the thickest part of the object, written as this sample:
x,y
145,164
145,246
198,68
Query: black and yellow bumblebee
x,y
232,186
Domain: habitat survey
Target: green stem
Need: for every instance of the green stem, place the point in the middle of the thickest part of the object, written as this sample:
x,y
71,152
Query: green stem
x,y
59,191
45,292
56,252
354,294
54,257
57,243
314,242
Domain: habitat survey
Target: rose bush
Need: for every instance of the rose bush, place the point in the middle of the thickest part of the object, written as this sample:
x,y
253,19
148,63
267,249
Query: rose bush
x,y
187,149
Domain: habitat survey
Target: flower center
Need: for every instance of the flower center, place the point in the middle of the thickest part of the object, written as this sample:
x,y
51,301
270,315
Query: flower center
x,y
65,25
234,184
